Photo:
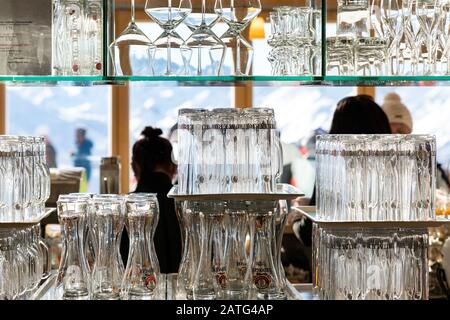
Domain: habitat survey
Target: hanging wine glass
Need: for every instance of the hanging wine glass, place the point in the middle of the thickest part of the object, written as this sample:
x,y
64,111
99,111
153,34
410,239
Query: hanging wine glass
x,y
391,15
132,52
169,59
238,14
204,52
428,14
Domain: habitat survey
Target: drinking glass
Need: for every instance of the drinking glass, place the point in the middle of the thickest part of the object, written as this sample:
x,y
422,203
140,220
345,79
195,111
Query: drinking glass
x,y
266,284
107,275
204,52
428,13
340,53
132,52
141,277
73,274
168,15
190,220
238,14
237,270
206,286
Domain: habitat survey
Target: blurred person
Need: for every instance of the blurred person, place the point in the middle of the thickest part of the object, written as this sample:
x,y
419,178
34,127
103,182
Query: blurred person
x,y
401,122
84,151
155,170
50,151
353,115
399,117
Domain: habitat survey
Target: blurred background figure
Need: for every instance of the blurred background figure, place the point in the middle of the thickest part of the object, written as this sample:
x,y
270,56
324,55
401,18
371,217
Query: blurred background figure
x,y
401,122
154,171
50,151
398,114
84,151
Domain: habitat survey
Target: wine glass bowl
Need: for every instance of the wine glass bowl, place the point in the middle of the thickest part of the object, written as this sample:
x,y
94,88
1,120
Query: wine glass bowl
x,y
170,59
238,14
171,16
203,51
132,52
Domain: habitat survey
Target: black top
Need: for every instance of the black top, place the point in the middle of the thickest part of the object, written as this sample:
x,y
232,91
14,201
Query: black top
x,y
167,238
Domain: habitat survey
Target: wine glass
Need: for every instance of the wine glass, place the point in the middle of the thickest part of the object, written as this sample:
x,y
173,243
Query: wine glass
x,y
132,52
428,12
169,15
392,18
204,42
238,14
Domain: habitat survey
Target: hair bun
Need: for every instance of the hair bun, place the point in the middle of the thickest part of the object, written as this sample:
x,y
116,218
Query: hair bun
x,y
151,133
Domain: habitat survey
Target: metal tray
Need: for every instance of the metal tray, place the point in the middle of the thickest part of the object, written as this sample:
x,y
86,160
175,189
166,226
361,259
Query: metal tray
x,y
283,192
28,223
310,212
47,290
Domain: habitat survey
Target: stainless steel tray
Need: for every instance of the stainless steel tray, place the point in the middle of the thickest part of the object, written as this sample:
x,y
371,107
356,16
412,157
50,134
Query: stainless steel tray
x,y
29,223
283,192
47,290
310,212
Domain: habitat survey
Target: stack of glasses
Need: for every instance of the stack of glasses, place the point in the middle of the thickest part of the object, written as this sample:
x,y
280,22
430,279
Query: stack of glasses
x,y
24,178
390,37
376,177
366,178
370,264
78,37
295,41
228,151
216,263
92,230
24,262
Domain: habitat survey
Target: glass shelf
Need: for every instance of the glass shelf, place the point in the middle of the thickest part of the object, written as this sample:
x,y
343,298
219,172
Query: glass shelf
x,y
322,79
224,81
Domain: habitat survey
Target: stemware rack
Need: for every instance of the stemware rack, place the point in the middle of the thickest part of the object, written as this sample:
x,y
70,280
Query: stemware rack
x,y
320,78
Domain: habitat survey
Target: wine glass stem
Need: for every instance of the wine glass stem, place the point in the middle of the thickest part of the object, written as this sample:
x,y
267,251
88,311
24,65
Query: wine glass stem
x,y
133,11
238,55
203,11
199,68
169,56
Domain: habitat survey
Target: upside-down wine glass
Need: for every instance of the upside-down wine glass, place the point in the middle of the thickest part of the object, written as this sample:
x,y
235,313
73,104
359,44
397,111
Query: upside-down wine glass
x,y
238,14
203,43
132,52
169,15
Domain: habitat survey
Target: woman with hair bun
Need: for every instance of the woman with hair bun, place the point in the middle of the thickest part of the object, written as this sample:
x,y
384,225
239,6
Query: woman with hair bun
x,y
155,170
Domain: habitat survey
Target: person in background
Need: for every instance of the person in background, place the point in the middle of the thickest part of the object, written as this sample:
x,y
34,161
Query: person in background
x,y
155,170
353,115
84,151
50,153
399,117
401,122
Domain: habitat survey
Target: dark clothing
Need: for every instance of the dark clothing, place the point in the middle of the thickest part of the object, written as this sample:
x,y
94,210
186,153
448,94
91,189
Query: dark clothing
x,y
167,239
51,155
84,150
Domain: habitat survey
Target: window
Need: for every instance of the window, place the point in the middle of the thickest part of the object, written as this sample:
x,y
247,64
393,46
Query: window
x,y
57,112
429,107
300,111
158,107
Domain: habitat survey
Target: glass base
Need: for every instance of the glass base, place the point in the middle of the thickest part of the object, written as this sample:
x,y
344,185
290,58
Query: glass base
x,y
168,59
239,55
106,296
205,294
203,53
